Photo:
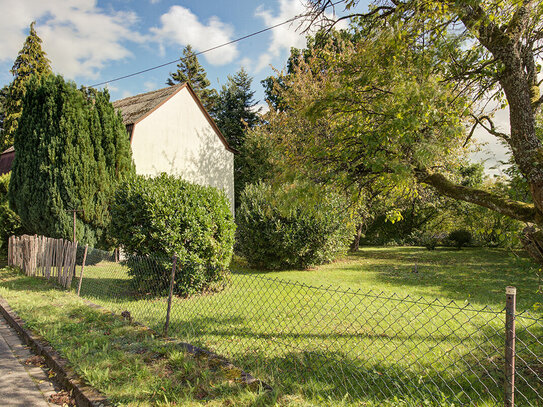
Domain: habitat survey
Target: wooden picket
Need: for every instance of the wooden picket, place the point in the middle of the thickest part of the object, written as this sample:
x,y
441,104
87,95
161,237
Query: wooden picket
x,y
43,256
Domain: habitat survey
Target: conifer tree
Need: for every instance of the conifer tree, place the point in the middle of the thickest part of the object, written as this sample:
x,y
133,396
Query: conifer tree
x,y
235,113
32,60
3,100
71,150
189,70
235,108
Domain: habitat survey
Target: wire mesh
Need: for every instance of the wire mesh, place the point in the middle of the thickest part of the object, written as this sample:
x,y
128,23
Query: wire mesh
x,y
328,345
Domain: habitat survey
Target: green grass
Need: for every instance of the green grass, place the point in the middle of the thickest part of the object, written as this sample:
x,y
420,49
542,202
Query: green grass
x,y
332,345
357,332
125,362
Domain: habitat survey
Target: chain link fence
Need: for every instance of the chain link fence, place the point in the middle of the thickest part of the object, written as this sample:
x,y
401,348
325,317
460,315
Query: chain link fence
x,y
332,346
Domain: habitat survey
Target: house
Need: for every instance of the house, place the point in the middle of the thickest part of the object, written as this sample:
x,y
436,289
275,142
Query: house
x,y
6,160
170,131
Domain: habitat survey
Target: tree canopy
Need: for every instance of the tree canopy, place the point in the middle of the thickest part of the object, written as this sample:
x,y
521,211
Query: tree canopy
x,y
71,150
31,60
189,70
485,52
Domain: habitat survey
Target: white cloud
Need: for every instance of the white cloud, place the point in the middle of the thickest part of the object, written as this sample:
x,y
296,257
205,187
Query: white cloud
x,y
78,36
181,27
150,85
285,36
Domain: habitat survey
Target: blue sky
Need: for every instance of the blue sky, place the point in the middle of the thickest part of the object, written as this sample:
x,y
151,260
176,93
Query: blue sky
x,y
94,41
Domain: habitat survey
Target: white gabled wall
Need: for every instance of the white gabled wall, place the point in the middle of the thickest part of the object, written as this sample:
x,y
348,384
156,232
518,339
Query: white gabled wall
x,y
177,139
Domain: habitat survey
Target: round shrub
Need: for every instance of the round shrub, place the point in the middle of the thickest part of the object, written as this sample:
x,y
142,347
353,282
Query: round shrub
x,y
460,237
282,228
154,219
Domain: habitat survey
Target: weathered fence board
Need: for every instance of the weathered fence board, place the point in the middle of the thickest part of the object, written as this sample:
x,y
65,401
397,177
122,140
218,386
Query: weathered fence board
x,y
43,256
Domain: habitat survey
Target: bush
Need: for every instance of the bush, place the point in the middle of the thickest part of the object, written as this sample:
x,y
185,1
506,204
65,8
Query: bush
x,y
154,219
10,223
287,227
460,237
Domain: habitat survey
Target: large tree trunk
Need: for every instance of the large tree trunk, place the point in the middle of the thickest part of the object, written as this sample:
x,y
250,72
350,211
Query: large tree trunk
x,y
355,245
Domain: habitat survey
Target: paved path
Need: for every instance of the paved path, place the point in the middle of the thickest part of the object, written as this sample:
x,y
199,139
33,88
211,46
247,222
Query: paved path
x,y
20,385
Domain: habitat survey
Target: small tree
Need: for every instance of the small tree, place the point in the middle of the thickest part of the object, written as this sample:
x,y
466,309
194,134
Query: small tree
x,y
235,114
71,151
31,60
189,70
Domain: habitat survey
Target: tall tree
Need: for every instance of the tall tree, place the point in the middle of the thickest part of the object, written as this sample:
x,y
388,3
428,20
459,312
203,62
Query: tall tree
x,y
235,114
492,50
3,99
72,149
32,60
235,109
189,70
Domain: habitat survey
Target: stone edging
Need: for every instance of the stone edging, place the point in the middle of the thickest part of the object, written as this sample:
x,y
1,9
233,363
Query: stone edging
x,y
84,395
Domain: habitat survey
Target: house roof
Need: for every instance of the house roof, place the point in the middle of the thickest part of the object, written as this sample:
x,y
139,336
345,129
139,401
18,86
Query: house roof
x,y
6,160
136,108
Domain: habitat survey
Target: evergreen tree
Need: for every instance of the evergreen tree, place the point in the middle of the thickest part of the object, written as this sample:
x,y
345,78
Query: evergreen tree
x,y
189,70
31,60
72,149
235,113
3,100
235,109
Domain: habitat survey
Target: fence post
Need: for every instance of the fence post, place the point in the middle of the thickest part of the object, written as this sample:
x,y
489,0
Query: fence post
x,y
172,278
82,268
510,310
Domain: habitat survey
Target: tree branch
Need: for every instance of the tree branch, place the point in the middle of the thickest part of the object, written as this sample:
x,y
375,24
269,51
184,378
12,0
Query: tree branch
x,y
514,209
492,129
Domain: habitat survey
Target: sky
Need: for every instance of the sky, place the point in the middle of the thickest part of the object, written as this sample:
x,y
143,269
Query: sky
x,y
94,41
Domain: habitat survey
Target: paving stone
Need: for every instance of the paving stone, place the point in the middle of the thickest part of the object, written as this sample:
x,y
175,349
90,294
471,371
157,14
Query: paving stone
x,y
17,387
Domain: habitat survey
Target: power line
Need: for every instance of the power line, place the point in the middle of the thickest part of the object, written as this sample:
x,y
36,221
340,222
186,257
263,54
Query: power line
x,y
208,50
198,53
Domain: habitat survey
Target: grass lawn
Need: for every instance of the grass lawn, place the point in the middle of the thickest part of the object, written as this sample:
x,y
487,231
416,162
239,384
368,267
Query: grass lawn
x,y
319,336
346,333
125,362
471,274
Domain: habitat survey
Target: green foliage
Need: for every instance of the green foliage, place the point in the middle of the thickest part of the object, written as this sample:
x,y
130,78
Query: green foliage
x,y
291,226
235,114
71,151
189,70
31,61
156,218
10,223
3,100
460,237
235,109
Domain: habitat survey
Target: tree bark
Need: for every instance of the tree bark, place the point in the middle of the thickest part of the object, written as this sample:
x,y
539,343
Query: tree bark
x,y
355,245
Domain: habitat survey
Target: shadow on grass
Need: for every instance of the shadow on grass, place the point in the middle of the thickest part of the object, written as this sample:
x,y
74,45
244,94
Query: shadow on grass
x,y
478,275
475,375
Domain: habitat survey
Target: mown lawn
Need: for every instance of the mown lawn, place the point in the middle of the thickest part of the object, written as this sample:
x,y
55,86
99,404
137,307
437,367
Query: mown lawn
x,y
126,362
357,332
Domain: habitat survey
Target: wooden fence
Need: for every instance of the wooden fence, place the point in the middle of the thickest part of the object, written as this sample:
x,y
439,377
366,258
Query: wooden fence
x,y
44,256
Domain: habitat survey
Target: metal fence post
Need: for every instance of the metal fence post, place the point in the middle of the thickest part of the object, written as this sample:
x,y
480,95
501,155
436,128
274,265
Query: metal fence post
x,y
172,278
510,310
